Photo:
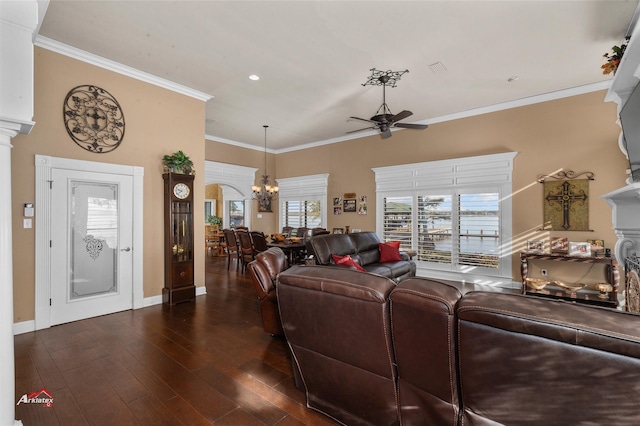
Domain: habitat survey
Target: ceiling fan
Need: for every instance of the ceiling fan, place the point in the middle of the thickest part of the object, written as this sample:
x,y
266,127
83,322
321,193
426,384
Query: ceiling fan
x,y
384,120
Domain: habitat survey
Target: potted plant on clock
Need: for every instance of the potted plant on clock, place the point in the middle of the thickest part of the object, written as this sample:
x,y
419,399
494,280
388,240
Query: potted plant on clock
x,y
178,162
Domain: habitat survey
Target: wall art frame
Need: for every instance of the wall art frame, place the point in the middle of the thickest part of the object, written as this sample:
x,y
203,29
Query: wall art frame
x,y
566,200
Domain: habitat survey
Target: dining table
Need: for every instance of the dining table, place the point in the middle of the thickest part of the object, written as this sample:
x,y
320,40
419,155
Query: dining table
x,y
291,249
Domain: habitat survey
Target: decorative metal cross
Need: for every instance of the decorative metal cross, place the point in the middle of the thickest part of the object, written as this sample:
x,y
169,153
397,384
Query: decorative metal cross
x,y
565,198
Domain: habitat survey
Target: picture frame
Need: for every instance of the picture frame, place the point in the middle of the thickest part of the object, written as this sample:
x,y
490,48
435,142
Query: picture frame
x,y
337,209
597,247
559,245
349,205
362,205
582,249
338,231
337,201
535,246
265,207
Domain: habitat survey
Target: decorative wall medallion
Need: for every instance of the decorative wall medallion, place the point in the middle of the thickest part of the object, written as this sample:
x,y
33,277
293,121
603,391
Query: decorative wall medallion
x,y
93,118
94,246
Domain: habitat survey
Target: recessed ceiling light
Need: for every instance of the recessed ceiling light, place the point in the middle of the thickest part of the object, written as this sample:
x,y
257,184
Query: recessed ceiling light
x,y
254,77
512,78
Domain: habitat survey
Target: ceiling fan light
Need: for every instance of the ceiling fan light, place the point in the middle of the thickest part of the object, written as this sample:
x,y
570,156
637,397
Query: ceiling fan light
x,y
384,120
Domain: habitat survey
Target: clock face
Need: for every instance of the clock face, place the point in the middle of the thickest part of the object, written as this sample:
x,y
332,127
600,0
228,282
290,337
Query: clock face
x,y
180,190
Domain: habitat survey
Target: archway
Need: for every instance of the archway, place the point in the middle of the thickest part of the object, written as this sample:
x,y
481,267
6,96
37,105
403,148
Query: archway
x,y
236,181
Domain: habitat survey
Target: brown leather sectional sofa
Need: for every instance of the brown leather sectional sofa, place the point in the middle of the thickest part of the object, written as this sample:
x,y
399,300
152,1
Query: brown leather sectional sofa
x,y
424,352
263,271
363,248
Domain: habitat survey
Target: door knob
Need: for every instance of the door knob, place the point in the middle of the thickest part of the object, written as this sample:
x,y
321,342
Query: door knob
x,y
126,249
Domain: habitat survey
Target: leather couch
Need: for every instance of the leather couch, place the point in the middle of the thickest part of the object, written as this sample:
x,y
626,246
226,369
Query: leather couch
x,y
427,352
363,248
263,271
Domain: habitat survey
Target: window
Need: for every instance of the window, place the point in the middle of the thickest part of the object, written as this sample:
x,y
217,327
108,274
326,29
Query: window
x,y
209,208
301,213
303,201
236,213
456,214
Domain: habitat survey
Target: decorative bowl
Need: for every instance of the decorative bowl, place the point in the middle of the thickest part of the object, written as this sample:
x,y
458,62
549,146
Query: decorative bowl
x,y
570,288
604,289
294,239
536,283
278,238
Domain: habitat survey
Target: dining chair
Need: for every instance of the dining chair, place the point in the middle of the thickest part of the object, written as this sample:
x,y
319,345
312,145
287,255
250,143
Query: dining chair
x,y
246,248
233,252
259,242
286,230
211,239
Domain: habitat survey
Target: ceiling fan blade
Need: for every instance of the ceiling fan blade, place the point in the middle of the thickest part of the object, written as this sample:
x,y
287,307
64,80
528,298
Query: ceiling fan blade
x,y
401,115
359,130
362,119
411,126
386,133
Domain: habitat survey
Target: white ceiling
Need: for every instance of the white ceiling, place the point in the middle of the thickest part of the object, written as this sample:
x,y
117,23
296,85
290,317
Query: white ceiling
x,y
313,56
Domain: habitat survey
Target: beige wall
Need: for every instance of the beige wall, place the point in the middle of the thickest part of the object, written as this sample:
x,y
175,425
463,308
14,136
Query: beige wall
x,y
214,192
158,122
577,133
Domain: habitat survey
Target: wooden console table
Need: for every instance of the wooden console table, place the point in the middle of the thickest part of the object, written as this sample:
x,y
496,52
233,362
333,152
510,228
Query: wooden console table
x,y
581,296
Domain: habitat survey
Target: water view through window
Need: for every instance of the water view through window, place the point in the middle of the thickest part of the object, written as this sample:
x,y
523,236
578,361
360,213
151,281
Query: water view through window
x,y
462,229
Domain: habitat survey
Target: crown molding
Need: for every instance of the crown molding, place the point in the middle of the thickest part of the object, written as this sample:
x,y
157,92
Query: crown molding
x,y
239,144
99,61
545,97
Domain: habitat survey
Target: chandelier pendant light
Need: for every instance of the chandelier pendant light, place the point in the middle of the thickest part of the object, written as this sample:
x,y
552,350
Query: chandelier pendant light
x,y
265,193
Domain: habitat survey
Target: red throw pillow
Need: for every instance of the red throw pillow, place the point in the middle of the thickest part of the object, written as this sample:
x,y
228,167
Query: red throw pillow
x,y
347,261
390,251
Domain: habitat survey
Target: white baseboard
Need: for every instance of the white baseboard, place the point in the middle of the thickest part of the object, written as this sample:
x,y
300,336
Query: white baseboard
x,y
150,301
157,300
23,327
29,326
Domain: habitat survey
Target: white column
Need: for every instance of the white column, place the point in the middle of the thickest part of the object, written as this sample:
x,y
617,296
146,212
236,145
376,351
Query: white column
x,y
7,366
18,24
625,203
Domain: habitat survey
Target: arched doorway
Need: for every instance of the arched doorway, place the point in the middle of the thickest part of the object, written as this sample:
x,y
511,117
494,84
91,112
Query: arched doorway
x,y
236,182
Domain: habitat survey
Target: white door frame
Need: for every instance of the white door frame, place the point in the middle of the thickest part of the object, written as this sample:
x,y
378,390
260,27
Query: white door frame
x,y
44,165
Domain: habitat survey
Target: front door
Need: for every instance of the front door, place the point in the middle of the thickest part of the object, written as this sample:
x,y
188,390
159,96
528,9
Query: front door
x,y
91,244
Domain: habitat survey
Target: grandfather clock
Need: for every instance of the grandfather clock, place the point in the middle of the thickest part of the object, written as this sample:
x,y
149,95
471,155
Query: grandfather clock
x,y
178,239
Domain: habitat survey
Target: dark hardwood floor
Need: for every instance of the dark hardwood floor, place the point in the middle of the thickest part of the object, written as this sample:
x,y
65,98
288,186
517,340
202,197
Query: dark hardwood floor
x,y
208,362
